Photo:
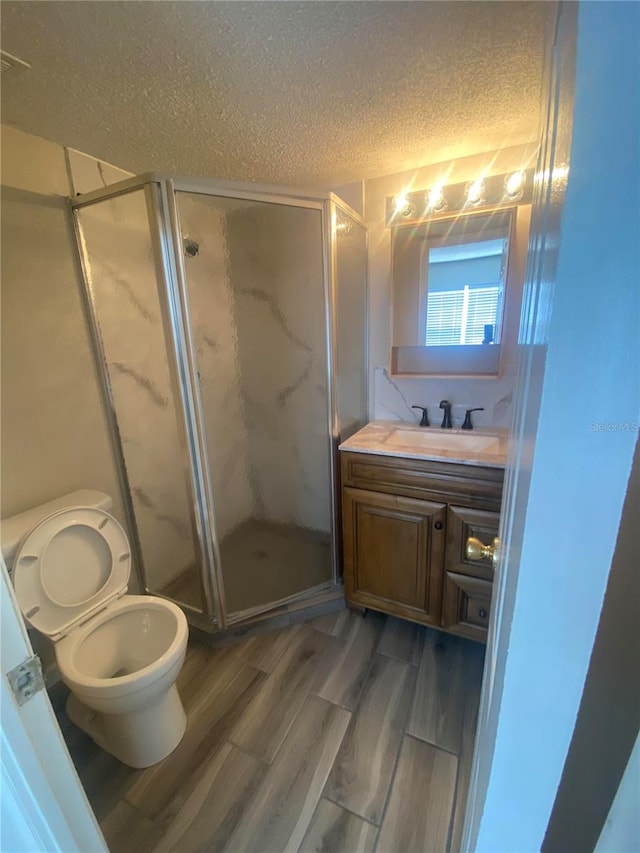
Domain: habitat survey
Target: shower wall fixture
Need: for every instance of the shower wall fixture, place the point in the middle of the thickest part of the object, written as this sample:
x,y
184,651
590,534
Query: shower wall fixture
x,y
229,325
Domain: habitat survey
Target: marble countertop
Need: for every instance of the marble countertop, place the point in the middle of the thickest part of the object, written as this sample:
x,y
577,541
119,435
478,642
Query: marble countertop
x,y
390,438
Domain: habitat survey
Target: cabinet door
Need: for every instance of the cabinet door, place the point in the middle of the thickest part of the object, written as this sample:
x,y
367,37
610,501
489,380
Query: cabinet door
x,y
468,583
393,553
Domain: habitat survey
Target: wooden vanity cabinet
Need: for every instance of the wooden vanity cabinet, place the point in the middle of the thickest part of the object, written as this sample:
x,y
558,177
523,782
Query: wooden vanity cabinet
x,y
405,527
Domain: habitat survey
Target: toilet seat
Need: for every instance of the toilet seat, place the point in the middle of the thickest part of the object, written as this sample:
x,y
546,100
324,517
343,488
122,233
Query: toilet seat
x,y
53,596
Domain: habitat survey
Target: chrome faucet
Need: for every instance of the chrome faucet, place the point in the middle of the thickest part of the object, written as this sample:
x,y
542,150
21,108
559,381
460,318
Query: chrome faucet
x,y
446,420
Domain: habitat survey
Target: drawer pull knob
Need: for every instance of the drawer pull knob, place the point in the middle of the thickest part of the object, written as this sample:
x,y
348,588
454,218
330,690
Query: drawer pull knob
x,y
477,550
438,525
483,613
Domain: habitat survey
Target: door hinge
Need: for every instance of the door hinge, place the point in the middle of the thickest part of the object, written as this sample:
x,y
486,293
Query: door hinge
x,y
26,679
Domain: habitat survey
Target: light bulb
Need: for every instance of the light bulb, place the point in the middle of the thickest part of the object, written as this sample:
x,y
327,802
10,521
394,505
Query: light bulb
x,y
436,200
402,206
475,192
514,186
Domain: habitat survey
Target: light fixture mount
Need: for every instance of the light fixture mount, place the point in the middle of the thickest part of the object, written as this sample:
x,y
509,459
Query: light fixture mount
x,y
485,191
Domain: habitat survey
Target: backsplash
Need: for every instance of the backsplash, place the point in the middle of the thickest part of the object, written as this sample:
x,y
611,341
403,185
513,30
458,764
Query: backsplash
x,y
394,396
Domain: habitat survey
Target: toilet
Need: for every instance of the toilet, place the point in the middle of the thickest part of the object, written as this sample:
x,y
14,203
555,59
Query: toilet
x,y
119,654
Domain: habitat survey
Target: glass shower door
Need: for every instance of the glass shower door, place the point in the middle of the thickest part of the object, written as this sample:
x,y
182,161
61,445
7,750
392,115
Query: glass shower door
x,y
257,314
128,306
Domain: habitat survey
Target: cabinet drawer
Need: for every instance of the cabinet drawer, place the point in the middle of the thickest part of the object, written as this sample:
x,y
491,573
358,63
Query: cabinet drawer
x,y
467,605
425,479
463,522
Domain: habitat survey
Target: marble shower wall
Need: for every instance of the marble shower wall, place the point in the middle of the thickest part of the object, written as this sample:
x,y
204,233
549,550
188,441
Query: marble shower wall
x,y
275,255
215,333
87,173
126,296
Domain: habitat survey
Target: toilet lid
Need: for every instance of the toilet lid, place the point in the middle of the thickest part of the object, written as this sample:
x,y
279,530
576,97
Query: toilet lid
x,y
69,567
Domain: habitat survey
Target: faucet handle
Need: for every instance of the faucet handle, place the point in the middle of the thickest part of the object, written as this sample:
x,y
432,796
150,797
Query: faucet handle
x,y
425,416
467,419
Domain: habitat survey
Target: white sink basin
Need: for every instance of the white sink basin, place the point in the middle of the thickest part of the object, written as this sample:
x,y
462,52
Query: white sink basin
x,y
445,441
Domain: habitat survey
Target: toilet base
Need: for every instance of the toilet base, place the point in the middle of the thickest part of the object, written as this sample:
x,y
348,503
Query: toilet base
x,y
137,738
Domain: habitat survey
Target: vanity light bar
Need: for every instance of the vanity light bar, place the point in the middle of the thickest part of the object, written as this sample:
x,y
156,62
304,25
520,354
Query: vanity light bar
x,y
485,191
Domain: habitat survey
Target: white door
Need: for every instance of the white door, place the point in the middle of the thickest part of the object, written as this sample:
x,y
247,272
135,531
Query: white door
x,y
44,806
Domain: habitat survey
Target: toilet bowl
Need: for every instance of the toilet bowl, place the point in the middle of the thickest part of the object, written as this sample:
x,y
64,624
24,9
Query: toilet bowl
x,y
119,654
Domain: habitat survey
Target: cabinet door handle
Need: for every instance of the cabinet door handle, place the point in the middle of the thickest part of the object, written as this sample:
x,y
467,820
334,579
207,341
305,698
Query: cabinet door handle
x,y
483,613
438,525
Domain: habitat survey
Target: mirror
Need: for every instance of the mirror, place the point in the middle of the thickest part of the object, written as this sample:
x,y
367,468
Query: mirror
x,y
449,287
449,280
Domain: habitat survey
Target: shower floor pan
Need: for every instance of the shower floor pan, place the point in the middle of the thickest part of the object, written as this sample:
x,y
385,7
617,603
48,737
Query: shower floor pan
x,y
263,562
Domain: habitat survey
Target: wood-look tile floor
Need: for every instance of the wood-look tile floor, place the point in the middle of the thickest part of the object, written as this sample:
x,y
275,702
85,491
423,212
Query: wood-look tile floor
x,y
345,733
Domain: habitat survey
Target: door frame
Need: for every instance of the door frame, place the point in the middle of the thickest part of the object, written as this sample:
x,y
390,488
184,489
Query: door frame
x,y
576,421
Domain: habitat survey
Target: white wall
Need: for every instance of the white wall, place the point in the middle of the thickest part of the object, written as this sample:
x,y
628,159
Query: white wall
x,y
54,432
351,194
579,470
392,397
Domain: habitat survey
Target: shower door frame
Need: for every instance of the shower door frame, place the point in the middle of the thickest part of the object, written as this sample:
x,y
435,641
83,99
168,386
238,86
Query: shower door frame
x,y
174,305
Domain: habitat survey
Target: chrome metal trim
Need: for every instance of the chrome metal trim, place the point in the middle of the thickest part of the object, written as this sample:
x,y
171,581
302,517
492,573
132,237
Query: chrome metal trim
x,y
244,189
367,326
346,208
241,615
263,197
88,301
294,196
112,190
196,618
213,581
367,377
171,321
330,296
333,207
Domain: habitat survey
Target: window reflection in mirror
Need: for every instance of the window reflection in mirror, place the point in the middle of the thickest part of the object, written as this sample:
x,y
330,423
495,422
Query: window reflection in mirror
x,y
463,275
449,280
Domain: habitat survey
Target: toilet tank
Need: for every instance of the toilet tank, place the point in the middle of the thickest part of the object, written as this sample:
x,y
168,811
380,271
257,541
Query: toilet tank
x,y
14,529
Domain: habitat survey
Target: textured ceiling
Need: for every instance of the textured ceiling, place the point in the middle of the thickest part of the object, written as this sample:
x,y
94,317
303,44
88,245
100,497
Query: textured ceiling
x,y
312,93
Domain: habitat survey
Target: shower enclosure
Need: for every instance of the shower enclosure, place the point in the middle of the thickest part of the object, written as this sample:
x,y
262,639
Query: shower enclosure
x,y
229,325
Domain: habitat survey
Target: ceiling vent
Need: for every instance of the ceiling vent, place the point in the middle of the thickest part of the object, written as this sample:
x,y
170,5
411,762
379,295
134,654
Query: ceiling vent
x,y
9,62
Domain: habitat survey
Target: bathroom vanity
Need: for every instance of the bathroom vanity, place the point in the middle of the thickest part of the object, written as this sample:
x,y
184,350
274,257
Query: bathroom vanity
x,y
411,497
